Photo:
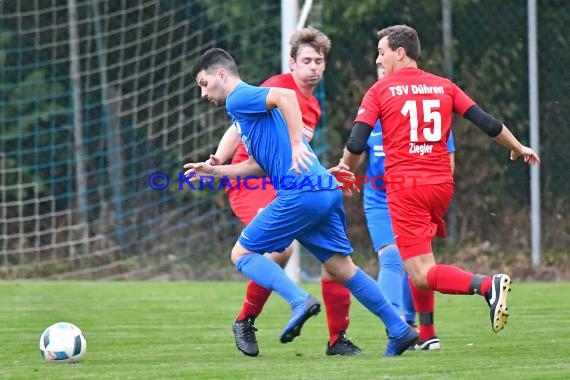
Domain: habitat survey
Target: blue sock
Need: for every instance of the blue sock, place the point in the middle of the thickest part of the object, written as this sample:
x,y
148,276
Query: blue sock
x,y
269,275
407,301
390,275
365,290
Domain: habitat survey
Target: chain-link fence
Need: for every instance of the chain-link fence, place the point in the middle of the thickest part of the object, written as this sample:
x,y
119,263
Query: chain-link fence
x,y
96,97
489,50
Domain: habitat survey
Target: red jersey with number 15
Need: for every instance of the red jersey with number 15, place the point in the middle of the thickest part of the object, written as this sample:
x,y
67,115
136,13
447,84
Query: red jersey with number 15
x,y
310,110
416,109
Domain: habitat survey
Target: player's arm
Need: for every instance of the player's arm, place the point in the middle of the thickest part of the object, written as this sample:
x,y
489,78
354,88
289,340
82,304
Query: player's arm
x,y
362,128
352,157
249,167
352,161
344,172
501,134
226,147
509,141
356,144
286,101
245,168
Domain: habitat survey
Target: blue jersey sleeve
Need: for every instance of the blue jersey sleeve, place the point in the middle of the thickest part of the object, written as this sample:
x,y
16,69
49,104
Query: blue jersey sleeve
x,y
246,100
450,143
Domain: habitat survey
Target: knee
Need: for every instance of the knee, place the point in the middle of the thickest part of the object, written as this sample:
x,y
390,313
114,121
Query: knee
x,y
389,258
339,268
237,252
325,275
418,276
281,258
333,274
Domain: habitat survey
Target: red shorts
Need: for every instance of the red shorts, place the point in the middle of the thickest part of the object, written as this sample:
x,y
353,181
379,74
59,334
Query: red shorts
x,y
247,202
417,216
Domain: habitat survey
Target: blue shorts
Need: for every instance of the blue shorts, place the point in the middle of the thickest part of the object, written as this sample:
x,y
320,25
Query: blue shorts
x,y
379,227
314,218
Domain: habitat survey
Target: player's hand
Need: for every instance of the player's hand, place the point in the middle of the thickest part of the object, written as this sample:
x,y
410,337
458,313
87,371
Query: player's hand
x,y
341,166
301,156
529,156
346,178
214,160
198,169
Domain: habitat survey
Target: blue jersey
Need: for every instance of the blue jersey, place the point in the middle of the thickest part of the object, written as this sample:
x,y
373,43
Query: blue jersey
x,y
375,190
265,136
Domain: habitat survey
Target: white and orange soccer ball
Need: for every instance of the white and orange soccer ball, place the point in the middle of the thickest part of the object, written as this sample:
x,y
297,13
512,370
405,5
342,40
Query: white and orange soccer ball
x,y
63,342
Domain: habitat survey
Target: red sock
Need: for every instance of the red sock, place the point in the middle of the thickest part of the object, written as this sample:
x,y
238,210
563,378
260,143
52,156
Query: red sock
x,y
450,279
337,302
424,303
255,298
486,285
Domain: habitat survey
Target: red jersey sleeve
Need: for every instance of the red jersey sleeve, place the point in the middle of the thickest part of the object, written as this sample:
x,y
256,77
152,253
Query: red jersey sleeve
x,y
369,110
461,101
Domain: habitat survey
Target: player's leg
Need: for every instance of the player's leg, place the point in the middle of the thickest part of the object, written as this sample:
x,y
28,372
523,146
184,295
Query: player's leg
x,y
328,242
390,274
270,275
416,222
415,227
389,261
336,298
245,205
256,296
274,229
424,304
450,279
367,292
407,301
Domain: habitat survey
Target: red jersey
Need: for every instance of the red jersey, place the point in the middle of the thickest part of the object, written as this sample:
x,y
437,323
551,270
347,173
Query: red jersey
x,y
415,109
310,110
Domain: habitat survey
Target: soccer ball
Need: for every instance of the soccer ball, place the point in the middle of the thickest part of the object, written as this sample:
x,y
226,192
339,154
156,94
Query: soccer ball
x,y
63,342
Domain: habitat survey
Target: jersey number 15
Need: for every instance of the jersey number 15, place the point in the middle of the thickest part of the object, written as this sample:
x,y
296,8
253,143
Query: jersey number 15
x,y
431,114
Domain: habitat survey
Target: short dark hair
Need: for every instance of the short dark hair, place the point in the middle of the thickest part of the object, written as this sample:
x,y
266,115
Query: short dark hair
x,y
402,36
310,36
215,58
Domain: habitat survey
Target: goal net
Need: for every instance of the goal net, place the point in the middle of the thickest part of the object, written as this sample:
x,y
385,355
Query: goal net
x,y
95,99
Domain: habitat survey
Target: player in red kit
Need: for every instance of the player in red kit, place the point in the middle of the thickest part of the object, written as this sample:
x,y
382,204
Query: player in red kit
x,y
415,108
309,49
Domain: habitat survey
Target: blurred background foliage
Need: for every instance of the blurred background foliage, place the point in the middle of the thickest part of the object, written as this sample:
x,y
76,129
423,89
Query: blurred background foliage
x,y
149,47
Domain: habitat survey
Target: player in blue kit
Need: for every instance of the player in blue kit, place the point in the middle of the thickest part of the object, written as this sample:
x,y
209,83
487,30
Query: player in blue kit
x,y
308,206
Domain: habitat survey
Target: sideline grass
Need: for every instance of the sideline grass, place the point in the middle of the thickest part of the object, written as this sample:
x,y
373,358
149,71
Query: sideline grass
x,y
181,330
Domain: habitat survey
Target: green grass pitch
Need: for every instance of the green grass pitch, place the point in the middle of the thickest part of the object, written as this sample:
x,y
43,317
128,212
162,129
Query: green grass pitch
x,y
181,330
